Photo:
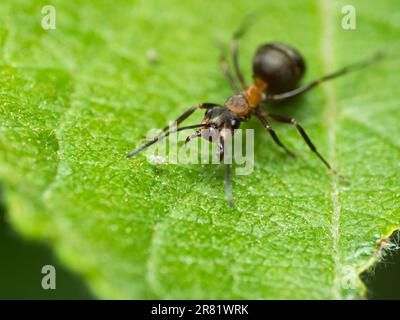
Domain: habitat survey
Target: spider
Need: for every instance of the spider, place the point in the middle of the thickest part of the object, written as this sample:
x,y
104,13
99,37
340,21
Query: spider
x,y
277,71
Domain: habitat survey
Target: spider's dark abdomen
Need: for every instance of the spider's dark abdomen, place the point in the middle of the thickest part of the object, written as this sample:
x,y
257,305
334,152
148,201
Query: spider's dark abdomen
x,y
279,65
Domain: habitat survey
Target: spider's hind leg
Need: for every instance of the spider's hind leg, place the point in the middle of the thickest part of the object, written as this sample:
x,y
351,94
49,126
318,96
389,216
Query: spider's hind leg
x,y
307,139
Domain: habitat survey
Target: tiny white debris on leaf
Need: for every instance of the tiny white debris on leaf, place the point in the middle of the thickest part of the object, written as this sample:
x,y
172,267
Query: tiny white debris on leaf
x,y
157,159
152,55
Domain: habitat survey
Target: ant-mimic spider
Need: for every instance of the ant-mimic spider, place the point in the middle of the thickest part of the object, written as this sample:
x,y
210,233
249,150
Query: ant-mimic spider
x,y
277,69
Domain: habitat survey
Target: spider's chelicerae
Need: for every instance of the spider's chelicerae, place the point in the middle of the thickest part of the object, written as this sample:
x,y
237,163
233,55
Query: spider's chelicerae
x,y
277,70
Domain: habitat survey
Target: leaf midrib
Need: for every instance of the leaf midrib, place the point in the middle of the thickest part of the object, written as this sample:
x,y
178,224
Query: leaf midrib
x,y
327,49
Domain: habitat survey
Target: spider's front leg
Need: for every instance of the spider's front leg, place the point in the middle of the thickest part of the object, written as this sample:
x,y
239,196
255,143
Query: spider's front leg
x,y
189,112
228,180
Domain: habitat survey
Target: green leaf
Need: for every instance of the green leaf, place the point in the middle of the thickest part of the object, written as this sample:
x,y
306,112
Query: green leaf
x,y
75,100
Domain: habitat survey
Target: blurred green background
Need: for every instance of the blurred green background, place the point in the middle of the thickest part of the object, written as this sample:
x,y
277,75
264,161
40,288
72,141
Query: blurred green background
x,y
21,264
22,260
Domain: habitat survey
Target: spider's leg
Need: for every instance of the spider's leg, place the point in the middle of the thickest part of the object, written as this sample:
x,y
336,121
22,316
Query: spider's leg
x,y
227,73
330,76
305,136
228,184
189,112
228,180
235,59
161,137
194,135
262,116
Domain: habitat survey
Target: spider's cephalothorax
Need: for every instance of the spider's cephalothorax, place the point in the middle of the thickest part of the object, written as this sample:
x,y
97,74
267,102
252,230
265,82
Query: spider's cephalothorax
x,y
219,118
217,126
277,71
244,103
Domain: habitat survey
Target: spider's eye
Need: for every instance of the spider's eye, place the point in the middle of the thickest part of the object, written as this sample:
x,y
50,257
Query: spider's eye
x,y
208,112
235,123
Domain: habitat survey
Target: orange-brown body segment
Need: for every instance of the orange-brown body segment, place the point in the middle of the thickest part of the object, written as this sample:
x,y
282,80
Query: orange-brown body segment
x,y
255,91
243,103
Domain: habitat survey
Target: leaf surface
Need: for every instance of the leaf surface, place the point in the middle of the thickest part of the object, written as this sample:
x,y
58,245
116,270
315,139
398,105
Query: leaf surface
x,y
75,100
